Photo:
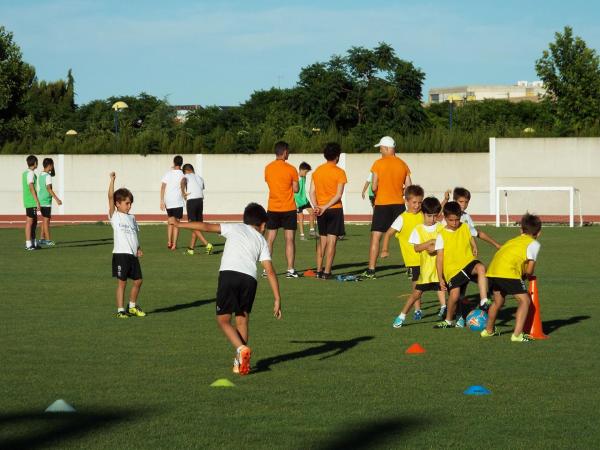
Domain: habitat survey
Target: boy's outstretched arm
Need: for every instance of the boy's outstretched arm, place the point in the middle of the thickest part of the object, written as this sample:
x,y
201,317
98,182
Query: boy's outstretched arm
x,y
201,226
111,192
268,266
385,251
487,238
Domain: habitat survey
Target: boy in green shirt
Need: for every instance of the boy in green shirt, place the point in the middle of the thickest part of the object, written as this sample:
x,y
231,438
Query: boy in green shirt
x,y
302,202
45,195
31,202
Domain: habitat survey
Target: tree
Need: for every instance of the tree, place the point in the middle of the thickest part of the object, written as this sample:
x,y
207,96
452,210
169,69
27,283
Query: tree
x,y
571,73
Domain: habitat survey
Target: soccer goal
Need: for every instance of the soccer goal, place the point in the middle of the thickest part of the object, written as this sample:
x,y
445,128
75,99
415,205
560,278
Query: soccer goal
x,y
570,189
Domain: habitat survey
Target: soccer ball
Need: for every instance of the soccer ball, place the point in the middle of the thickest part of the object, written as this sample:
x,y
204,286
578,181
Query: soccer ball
x,y
476,320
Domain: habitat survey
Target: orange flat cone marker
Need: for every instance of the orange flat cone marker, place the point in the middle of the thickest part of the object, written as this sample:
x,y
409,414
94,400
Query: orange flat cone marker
x,y
533,324
310,273
414,349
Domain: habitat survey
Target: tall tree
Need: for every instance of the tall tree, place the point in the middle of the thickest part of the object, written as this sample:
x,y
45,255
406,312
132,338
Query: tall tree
x,y
570,71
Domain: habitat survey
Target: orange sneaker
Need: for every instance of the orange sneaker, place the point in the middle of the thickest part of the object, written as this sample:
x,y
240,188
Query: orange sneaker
x,y
243,356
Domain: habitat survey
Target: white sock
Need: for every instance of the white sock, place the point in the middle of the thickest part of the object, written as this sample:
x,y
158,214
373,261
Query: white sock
x,y
28,243
483,301
239,349
120,309
292,270
402,316
131,305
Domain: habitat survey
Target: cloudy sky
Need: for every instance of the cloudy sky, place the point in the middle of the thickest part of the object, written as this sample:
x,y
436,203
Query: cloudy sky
x,y
219,52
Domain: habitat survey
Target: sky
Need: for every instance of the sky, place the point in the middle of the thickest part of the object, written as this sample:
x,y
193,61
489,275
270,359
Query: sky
x,y
219,52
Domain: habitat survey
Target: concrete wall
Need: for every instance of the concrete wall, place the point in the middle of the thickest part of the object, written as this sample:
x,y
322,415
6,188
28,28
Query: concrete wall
x,y
234,180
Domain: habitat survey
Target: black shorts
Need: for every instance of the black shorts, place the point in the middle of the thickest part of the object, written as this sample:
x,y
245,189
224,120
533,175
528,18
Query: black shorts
x,y
286,220
175,212
31,212
46,211
384,216
413,272
303,207
507,286
331,222
235,292
126,266
195,209
463,277
428,287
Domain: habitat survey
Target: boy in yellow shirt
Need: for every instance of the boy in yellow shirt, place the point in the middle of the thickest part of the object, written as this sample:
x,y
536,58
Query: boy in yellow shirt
x,y
456,263
402,227
423,239
514,261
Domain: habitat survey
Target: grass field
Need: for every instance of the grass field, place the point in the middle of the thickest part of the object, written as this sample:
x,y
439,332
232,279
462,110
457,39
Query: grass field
x,y
332,373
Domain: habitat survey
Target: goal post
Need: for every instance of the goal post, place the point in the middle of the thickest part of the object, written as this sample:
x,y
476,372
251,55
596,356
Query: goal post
x,y
570,189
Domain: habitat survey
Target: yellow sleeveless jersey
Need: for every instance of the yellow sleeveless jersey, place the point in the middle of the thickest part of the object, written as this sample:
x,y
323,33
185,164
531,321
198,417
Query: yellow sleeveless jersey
x,y
457,250
409,222
427,262
509,260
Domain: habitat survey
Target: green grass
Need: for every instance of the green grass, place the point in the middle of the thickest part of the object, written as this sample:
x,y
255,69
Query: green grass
x,y
335,376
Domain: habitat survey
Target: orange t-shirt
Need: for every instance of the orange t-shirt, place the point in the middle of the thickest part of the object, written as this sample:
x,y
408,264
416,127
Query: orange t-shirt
x,y
326,179
280,175
391,173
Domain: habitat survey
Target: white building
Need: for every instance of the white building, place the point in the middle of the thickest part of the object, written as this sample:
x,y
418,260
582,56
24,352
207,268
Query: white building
x,y
521,91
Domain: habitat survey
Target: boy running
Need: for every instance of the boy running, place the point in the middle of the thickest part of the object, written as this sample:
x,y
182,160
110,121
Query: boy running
x,y
126,250
172,200
514,261
45,195
402,227
31,202
390,177
245,245
423,239
326,190
302,202
282,179
456,263
192,189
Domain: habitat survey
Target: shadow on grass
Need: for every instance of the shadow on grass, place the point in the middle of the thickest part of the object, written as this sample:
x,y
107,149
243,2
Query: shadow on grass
x,y
335,348
550,326
350,265
46,429
87,241
385,433
179,307
90,244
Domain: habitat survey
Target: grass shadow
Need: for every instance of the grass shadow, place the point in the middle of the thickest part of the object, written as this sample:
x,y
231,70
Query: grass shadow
x,y
350,265
86,241
550,326
50,429
334,348
179,307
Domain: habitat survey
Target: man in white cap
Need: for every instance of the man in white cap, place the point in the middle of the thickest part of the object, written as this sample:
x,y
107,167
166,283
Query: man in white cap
x,y
391,175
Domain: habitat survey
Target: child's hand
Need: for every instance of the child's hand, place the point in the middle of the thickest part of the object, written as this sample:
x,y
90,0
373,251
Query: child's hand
x,y
59,202
384,253
162,206
443,286
277,309
140,253
447,195
112,175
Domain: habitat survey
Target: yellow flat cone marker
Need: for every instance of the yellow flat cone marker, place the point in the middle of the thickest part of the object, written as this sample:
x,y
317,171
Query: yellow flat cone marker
x,y
222,382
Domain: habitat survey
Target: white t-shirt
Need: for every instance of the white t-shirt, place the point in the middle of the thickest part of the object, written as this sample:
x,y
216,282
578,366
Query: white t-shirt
x,y
125,230
415,238
30,176
532,250
244,247
195,186
173,196
398,223
48,180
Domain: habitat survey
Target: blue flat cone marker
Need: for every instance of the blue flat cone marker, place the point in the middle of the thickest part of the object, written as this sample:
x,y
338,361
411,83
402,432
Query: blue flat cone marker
x,y
60,406
222,382
477,390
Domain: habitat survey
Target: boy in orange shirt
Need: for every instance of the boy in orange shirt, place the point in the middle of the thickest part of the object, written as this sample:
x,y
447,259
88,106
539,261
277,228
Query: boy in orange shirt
x,y
282,179
326,190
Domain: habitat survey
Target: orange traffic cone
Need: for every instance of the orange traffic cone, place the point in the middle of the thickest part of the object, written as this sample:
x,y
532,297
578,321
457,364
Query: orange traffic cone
x,y
533,324
414,349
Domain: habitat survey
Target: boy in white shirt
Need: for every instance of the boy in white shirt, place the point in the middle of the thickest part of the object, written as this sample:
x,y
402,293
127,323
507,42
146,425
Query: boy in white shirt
x,y
171,200
126,250
192,189
236,290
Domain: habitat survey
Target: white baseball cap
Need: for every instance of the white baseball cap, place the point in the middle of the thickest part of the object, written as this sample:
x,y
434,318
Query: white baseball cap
x,y
386,141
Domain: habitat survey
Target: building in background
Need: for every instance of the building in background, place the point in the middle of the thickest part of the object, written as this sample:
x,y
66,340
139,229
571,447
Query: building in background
x,y
522,91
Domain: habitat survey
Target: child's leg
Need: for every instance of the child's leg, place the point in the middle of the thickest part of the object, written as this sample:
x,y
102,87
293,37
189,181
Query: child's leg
x,y
311,218
170,230
522,311
301,222
135,291
271,235
482,281
241,325
452,302
290,247
493,311
321,245
33,228
414,297
47,228
28,227
200,236
120,294
441,297
224,322
331,242
175,232
417,302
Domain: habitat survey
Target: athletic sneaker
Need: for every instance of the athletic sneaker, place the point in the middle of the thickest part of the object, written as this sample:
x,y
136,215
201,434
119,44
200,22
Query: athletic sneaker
x,y
292,274
122,315
264,274
398,322
302,237
369,274
136,311
312,233
243,356
460,323
444,324
442,312
236,366
485,334
325,276
486,305
30,248
209,248
521,338
49,243
418,315
190,251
